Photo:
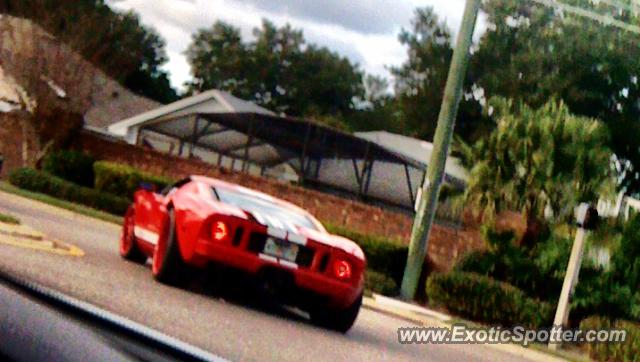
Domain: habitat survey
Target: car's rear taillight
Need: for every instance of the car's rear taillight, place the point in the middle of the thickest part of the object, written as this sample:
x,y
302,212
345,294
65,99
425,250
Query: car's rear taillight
x,y
342,269
220,231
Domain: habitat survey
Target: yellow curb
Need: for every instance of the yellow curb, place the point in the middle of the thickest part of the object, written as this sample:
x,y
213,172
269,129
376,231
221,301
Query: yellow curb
x,y
50,246
20,230
25,237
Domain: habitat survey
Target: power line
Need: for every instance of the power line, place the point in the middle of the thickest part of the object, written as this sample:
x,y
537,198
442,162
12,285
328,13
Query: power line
x,y
604,19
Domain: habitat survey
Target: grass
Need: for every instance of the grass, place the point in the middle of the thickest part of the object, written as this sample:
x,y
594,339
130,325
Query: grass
x,y
71,206
8,219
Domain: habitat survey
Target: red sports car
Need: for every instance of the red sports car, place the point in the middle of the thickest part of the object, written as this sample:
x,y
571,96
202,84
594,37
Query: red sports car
x,y
200,220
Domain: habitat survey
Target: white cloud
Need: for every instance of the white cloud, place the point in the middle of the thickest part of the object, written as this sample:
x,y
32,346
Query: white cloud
x,y
365,16
364,31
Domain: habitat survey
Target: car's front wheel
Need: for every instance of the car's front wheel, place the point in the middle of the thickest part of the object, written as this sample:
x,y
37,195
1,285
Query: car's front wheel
x,y
167,266
128,246
338,320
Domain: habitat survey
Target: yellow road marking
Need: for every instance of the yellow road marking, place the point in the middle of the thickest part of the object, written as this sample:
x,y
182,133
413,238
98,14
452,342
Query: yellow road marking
x,y
20,230
50,246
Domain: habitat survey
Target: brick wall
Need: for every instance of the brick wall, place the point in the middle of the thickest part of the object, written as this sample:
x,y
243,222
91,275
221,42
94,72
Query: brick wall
x,y
11,141
445,244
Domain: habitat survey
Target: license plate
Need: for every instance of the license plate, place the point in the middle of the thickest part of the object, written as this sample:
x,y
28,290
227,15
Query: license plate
x,y
281,249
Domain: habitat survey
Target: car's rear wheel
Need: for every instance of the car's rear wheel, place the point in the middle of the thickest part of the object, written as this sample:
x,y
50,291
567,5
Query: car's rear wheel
x,y
168,266
338,320
128,246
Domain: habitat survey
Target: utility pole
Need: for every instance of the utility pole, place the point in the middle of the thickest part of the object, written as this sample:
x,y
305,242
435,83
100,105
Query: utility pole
x,y
586,219
442,139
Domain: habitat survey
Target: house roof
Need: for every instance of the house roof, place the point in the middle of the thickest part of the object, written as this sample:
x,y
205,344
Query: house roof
x,y
212,101
112,102
210,113
414,148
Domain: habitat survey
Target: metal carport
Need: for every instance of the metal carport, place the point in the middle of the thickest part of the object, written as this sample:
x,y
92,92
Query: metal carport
x,y
252,137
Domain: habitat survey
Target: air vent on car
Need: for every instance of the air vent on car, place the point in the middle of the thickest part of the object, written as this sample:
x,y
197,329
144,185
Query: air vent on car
x,y
237,237
324,262
256,242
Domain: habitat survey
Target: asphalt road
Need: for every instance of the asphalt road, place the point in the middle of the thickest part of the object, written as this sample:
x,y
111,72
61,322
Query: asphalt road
x,y
238,330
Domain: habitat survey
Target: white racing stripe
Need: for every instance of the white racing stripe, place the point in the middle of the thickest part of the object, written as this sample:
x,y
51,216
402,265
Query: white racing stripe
x,y
283,234
297,239
290,226
273,221
258,217
146,234
276,233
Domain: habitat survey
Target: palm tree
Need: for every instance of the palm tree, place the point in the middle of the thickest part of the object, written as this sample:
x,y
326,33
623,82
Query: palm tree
x,y
536,159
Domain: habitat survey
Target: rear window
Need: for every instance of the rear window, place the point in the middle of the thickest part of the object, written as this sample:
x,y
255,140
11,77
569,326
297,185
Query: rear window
x,y
266,212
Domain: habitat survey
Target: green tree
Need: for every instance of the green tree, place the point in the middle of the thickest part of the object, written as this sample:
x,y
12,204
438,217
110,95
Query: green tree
x,y
420,80
379,110
536,158
326,82
532,53
148,79
219,59
626,259
116,42
276,70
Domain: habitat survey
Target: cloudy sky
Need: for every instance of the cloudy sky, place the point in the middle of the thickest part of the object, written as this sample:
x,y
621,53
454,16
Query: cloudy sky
x,y
363,30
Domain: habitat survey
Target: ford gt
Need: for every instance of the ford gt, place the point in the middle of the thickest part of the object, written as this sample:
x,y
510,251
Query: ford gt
x,y
201,221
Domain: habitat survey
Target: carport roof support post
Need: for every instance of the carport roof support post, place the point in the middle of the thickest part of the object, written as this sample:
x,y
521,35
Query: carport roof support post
x,y
444,131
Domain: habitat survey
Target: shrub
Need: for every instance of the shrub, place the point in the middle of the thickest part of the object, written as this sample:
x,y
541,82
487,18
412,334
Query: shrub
x,y
383,255
380,283
596,293
627,351
552,257
498,241
38,181
484,299
513,266
123,180
72,166
626,260
9,219
477,261
538,272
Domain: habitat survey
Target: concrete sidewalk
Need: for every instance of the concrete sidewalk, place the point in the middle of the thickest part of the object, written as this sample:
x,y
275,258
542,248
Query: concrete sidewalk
x,y
422,316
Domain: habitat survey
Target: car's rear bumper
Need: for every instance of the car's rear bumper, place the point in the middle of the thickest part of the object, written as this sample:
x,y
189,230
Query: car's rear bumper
x,y
335,293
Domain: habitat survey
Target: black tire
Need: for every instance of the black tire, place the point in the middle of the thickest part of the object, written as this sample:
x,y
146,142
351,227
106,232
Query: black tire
x,y
337,320
130,250
136,256
172,267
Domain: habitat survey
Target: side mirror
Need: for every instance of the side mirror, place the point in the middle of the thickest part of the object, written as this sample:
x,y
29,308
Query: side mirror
x,y
147,186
